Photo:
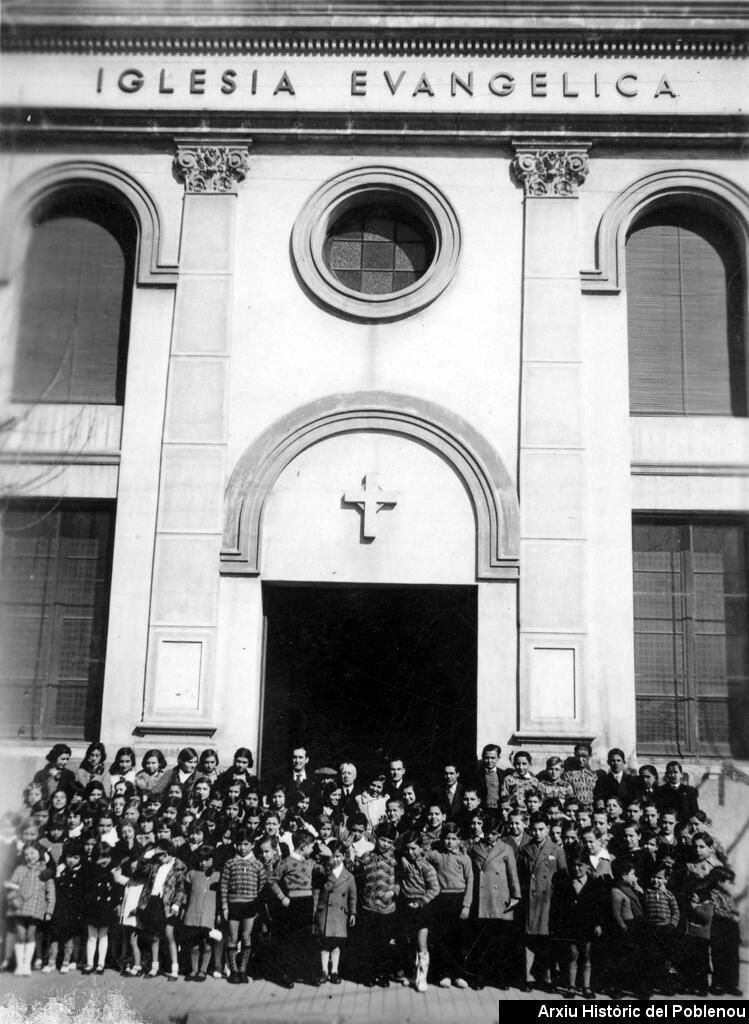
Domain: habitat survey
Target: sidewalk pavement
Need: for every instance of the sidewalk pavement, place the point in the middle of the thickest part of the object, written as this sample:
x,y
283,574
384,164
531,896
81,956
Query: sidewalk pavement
x,y
159,1001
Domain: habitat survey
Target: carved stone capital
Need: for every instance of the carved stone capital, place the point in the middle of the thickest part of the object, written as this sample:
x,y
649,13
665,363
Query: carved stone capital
x,y
546,173
211,168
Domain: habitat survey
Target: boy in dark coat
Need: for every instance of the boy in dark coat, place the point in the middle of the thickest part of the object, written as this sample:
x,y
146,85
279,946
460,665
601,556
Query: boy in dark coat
x,y
578,908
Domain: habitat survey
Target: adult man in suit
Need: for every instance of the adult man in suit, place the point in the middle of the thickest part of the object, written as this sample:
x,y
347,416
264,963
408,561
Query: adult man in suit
x,y
675,795
349,790
617,781
489,778
451,793
396,775
300,777
538,862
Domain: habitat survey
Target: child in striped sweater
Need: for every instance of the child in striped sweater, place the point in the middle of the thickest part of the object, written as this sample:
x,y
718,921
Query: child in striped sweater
x,y
242,879
379,889
418,889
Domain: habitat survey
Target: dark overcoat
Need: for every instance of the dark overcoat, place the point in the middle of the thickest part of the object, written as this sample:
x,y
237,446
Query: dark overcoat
x,y
576,914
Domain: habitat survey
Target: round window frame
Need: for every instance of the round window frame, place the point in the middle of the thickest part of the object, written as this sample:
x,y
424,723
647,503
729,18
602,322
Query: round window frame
x,y
361,186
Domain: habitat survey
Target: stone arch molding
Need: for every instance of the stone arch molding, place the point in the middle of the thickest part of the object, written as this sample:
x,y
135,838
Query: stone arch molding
x,y
492,492
150,267
697,187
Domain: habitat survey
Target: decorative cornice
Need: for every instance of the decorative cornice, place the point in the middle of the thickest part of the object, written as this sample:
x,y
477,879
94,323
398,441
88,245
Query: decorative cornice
x,y
110,42
24,127
212,168
548,173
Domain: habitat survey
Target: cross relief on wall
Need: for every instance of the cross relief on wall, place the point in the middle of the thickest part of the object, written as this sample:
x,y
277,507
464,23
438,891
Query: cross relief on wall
x,y
368,501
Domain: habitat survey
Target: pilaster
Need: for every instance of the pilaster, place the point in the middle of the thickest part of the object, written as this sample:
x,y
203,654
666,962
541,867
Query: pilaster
x,y
553,619
182,655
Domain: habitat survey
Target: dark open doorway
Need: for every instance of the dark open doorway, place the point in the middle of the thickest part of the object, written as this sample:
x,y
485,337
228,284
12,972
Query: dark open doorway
x,y
370,672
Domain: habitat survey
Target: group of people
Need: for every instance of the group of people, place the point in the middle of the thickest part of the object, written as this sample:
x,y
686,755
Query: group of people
x,y
571,878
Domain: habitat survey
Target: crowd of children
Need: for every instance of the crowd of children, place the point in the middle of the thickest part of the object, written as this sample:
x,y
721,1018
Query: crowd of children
x,y
572,878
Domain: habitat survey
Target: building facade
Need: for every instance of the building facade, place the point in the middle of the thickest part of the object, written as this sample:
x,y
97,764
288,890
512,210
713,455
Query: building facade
x,y
376,375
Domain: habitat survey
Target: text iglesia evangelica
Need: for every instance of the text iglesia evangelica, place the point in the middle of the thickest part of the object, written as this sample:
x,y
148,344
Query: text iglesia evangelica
x,y
402,83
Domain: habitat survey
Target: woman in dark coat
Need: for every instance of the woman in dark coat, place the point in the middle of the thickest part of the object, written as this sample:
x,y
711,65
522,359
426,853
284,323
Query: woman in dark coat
x,y
184,773
56,774
239,771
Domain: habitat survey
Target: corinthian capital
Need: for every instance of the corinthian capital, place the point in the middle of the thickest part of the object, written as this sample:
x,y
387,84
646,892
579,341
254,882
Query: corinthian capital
x,y
211,167
546,173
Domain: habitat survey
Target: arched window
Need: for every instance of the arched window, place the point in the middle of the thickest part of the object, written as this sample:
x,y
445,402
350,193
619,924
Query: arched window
x,y
75,301
685,295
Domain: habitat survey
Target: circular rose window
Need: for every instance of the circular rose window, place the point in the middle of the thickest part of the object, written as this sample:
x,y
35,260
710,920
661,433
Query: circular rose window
x,y
376,243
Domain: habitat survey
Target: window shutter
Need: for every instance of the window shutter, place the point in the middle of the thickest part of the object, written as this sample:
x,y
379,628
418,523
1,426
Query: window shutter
x,y
74,311
705,255
654,321
686,344
691,606
55,574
